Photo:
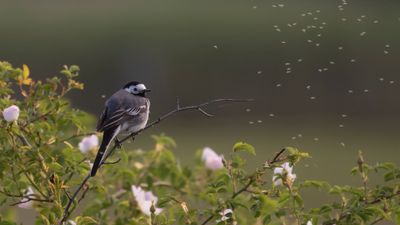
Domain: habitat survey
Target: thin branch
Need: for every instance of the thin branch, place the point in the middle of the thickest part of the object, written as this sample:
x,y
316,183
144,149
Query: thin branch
x,y
14,195
251,181
200,108
205,113
67,211
277,156
38,118
28,199
112,162
378,200
344,214
24,140
24,198
168,185
252,178
377,220
76,135
208,220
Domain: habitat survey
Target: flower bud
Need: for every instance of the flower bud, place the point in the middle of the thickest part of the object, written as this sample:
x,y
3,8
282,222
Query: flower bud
x,y
11,113
88,143
212,160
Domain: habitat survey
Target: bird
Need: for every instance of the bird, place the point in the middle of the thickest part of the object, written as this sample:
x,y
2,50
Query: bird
x,y
126,112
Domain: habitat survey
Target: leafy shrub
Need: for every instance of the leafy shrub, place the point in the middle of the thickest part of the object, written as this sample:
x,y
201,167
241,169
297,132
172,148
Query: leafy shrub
x,y
41,166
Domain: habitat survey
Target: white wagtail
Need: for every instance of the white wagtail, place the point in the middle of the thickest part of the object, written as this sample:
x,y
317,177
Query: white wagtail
x,y
126,112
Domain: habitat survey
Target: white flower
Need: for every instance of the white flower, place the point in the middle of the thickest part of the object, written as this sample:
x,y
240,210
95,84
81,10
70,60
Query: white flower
x,y
145,200
26,203
225,215
284,170
11,113
309,222
71,222
88,143
212,160
89,163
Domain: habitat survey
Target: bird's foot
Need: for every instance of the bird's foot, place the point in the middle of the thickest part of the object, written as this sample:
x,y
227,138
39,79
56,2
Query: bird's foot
x,y
118,143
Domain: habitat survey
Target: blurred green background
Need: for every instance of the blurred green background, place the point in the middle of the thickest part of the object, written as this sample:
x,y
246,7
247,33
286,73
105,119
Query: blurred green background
x,y
325,74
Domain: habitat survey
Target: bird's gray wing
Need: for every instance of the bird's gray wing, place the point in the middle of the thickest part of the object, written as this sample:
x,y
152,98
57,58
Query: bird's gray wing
x,y
102,119
117,117
120,107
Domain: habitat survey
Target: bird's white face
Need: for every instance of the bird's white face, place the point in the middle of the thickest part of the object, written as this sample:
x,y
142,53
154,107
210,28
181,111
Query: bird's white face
x,y
136,89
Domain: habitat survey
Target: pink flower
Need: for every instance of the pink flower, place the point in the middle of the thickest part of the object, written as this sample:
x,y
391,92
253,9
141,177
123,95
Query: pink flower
x,y
88,143
26,203
145,200
212,160
11,113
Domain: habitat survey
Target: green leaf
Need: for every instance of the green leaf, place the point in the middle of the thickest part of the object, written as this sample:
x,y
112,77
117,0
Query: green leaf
x,y
164,140
267,220
163,201
55,166
398,217
242,146
268,205
315,183
389,176
298,199
86,220
7,223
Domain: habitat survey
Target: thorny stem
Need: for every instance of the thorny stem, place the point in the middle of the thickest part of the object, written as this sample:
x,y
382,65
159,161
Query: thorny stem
x,y
68,210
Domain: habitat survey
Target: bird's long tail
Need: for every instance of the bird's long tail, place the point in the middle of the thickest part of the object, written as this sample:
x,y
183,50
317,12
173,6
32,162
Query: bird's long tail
x,y
108,136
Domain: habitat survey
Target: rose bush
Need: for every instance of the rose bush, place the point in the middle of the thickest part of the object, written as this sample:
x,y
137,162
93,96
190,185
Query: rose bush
x,y
47,147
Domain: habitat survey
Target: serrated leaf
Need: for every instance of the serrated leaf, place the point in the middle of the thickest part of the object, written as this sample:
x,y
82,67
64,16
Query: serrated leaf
x,y
86,220
25,75
242,146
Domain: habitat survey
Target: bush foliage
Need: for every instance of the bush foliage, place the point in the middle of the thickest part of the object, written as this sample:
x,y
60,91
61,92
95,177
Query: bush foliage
x,y
41,166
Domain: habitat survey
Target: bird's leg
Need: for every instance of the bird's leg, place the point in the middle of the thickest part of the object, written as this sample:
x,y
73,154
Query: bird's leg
x,y
133,138
118,143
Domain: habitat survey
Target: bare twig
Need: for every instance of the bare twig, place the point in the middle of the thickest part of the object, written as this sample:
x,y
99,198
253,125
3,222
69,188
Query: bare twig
x,y
24,198
251,181
67,211
6,193
179,108
28,199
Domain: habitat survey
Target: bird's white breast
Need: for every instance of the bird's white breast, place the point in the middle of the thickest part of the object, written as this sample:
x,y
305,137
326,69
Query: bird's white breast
x,y
137,122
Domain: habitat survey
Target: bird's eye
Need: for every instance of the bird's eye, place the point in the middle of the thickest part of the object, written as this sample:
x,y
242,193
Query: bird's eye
x,y
135,89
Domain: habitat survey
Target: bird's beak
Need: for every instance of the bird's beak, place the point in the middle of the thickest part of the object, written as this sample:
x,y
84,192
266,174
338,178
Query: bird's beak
x,y
146,90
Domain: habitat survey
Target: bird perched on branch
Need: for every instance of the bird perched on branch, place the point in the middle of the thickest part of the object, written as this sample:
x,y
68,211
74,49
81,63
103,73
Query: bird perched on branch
x,y
127,111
